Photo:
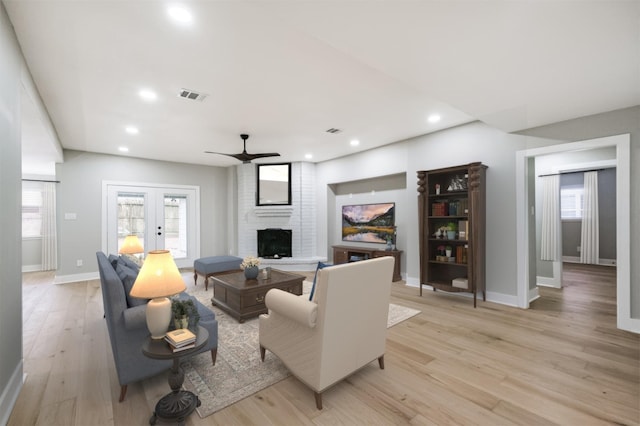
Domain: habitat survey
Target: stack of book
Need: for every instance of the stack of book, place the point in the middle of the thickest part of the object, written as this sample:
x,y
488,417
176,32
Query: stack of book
x,y
180,339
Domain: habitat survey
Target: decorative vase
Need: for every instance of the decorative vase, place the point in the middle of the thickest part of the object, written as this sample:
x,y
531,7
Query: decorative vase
x,y
181,322
251,273
451,235
448,253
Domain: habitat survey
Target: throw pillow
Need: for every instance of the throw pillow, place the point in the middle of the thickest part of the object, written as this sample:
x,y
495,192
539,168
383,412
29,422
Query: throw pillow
x,y
113,259
130,263
315,277
128,277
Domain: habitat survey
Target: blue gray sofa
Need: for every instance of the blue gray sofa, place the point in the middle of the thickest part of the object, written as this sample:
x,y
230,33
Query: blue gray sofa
x,y
126,322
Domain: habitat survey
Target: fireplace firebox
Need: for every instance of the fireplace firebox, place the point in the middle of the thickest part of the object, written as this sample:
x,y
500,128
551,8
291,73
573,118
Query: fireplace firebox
x,y
274,243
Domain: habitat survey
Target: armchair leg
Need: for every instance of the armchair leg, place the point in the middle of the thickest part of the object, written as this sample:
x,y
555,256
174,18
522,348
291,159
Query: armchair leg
x,y
263,351
381,362
123,392
214,355
318,400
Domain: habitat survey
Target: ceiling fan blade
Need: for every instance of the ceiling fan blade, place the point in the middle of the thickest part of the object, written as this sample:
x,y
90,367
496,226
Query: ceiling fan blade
x,y
270,154
244,156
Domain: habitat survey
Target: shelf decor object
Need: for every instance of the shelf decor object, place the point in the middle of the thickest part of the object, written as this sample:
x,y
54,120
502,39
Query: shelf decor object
x,y
448,198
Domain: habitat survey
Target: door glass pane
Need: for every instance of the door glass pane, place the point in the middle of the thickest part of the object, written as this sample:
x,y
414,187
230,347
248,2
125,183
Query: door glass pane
x,y
175,225
130,216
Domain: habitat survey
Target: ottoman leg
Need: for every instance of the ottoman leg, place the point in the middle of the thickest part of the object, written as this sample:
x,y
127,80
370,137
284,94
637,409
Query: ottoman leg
x,y
195,277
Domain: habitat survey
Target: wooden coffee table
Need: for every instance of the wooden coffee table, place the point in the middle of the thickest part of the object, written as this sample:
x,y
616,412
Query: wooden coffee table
x,y
242,298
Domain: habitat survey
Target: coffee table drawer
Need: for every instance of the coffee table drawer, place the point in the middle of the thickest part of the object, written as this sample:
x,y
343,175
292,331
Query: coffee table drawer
x,y
252,299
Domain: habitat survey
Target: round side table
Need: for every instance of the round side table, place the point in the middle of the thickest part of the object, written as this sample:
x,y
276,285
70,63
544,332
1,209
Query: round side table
x,y
179,404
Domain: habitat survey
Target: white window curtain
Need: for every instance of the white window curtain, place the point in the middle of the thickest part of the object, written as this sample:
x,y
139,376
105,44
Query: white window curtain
x,y
49,252
590,242
551,230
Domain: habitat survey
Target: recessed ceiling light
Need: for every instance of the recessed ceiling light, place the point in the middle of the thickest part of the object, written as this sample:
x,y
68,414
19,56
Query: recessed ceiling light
x,y
148,95
433,118
123,149
132,130
180,14
355,142
308,156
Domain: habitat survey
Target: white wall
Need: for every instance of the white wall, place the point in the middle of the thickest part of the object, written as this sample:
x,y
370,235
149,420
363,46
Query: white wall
x,y
11,73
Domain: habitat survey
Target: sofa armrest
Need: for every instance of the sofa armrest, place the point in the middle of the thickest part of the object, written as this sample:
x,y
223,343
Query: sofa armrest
x,y
135,317
296,308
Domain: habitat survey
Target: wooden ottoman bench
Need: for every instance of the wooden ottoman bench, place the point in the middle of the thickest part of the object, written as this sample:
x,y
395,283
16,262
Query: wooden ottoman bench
x,y
208,266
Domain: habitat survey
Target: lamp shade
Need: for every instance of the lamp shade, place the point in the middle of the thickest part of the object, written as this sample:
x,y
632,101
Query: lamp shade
x,y
158,277
131,245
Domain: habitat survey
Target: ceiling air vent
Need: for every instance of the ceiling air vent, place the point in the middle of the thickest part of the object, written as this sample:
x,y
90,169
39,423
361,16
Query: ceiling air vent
x,y
333,130
190,94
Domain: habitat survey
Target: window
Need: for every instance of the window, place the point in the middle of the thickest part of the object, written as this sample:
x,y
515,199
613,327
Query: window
x,y
571,202
31,210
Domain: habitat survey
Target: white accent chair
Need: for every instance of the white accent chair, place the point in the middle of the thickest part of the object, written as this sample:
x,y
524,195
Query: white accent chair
x,y
343,329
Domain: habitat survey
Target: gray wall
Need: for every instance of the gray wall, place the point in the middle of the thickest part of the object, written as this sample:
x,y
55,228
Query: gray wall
x,y
460,145
10,218
80,191
608,124
572,229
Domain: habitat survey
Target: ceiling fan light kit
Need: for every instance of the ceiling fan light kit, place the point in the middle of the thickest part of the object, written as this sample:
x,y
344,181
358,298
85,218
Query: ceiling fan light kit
x,y
244,156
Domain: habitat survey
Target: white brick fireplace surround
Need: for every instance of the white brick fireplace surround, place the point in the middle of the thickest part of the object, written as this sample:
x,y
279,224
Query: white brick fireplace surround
x,y
300,217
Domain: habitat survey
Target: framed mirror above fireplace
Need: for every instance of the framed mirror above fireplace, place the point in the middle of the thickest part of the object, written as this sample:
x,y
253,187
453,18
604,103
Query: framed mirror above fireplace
x,y
274,184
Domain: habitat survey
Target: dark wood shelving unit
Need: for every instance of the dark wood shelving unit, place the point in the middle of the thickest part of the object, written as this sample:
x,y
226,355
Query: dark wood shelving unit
x,y
453,195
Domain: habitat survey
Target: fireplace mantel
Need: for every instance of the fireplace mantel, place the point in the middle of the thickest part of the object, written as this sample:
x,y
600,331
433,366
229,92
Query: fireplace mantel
x,y
273,211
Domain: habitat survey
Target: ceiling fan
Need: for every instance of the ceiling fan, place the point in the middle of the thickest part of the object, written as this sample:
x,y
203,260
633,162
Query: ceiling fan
x,y
244,156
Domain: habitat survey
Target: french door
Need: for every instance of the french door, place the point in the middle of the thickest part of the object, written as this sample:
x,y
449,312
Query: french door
x,y
162,217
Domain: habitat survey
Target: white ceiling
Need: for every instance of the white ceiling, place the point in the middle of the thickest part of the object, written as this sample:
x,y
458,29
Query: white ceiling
x,y
286,71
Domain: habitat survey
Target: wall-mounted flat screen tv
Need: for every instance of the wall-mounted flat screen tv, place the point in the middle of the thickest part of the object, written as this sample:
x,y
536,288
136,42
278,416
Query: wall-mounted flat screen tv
x,y
368,223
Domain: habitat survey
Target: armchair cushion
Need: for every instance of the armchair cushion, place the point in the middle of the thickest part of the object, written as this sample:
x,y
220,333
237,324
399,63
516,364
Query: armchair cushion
x,y
293,307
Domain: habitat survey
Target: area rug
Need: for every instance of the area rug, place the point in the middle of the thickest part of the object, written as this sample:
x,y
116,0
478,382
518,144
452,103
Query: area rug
x,y
238,372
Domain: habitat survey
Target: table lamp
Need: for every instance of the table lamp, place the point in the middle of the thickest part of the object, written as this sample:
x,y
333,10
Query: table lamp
x,y
158,278
131,246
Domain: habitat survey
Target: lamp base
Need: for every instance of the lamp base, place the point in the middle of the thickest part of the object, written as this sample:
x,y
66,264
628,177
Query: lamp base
x,y
158,316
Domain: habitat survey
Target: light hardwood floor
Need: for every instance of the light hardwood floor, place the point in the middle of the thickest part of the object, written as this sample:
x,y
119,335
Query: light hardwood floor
x,y
561,362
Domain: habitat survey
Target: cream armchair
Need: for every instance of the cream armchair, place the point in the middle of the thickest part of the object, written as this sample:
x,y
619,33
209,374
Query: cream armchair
x,y
343,329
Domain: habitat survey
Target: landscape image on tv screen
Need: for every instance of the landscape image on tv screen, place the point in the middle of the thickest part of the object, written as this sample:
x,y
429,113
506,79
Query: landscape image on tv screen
x,y
368,223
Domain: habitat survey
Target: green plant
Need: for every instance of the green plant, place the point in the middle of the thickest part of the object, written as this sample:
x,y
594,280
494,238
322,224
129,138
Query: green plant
x,y
451,226
185,307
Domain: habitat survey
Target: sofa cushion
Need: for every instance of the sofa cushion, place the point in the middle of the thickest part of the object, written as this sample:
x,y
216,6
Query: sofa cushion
x,y
128,277
129,263
315,277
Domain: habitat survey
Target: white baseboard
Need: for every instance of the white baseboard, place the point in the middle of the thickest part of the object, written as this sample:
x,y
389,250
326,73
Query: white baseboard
x,y
501,298
31,268
576,259
533,294
10,393
73,278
